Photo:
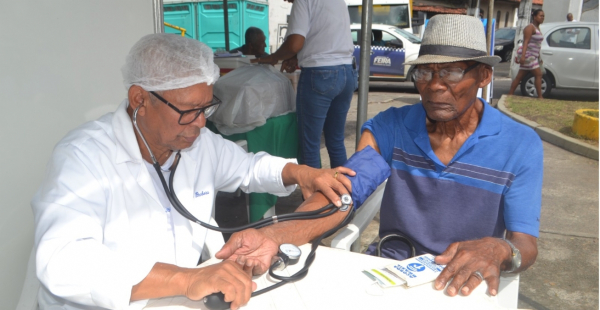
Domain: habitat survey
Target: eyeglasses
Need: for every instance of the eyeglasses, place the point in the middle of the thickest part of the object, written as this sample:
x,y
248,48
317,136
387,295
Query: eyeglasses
x,y
188,116
448,75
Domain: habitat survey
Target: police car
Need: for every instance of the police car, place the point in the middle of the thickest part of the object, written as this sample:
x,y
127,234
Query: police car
x,y
390,48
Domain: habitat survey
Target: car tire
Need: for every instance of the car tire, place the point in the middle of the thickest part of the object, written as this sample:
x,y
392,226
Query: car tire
x,y
528,86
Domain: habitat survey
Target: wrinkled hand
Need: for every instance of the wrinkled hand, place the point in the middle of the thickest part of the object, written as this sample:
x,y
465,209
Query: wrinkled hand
x,y
289,65
251,249
226,277
463,259
265,60
331,182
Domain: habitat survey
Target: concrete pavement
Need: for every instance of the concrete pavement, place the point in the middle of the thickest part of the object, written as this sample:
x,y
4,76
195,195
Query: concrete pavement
x,y
565,275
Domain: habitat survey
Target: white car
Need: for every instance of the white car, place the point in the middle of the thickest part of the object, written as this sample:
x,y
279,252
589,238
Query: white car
x,y
391,47
570,55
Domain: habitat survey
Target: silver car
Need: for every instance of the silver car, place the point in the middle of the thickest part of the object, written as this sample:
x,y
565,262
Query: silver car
x,y
570,55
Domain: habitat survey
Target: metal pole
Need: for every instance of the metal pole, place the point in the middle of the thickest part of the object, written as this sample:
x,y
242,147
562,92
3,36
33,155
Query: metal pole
x,y
226,17
157,10
488,41
365,66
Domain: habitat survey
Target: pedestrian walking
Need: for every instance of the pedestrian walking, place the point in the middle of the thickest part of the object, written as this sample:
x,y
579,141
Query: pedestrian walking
x,y
529,58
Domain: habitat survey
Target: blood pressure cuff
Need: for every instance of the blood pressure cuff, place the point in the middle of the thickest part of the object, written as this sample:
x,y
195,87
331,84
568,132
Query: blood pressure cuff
x,y
371,170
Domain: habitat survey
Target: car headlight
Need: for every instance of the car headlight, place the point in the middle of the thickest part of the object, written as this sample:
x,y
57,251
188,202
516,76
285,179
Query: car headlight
x,y
498,47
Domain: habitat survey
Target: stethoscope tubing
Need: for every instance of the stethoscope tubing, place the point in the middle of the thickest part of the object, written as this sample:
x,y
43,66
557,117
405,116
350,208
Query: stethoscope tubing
x,y
307,215
171,195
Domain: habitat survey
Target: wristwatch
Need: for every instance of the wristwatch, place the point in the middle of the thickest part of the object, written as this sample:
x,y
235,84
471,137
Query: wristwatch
x,y
516,257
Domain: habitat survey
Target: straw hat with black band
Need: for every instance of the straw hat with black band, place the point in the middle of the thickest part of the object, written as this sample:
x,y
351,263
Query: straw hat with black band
x,y
452,38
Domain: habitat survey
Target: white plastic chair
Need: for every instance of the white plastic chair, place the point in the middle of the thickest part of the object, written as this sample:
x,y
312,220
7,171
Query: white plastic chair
x,y
349,239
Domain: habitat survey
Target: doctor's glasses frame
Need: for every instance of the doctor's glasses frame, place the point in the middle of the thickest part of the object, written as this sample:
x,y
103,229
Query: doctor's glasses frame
x,y
188,116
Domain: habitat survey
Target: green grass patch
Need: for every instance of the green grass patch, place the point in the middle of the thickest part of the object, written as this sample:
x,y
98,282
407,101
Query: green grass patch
x,y
555,114
591,113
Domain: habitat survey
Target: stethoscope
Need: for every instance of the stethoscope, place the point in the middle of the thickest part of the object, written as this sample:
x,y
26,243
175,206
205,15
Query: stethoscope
x,y
288,254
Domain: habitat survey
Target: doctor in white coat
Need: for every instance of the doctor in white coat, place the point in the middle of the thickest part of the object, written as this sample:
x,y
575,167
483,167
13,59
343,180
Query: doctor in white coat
x,y
106,234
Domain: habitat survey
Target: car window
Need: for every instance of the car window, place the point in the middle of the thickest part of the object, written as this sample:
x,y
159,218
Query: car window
x,y
387,36
391,40
572,37
411,37
505,34
384,38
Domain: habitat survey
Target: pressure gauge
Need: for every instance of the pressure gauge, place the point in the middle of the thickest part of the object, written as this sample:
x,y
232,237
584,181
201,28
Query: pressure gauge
x,y
289,254
293,252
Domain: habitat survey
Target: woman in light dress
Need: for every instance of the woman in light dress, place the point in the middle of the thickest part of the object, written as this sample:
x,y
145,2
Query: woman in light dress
x,y
529,58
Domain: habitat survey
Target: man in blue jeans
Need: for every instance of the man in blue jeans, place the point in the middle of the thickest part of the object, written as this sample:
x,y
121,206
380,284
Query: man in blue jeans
x,y
319,40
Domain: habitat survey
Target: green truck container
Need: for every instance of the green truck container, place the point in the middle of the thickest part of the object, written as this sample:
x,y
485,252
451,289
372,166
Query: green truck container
x,y
204,20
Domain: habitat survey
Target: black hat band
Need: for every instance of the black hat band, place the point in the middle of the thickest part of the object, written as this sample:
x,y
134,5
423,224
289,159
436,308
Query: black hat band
x,y
453,51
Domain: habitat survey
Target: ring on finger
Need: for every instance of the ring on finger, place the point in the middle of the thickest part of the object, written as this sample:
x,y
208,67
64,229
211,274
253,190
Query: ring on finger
x,y
335,175
478,275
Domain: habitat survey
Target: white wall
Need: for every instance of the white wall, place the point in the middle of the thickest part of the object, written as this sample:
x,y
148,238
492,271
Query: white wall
x,y
556,10
590,16
278,12
60,64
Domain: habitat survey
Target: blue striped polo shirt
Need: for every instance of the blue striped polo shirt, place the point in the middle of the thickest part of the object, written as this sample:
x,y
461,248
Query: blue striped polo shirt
x,y
493,183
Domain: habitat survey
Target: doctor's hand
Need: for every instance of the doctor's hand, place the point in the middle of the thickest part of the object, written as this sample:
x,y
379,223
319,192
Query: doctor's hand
x,y
226,277
250,248
469,263
331,182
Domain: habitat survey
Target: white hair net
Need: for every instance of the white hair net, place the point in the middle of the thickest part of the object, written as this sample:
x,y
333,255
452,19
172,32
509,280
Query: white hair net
x,y
159,62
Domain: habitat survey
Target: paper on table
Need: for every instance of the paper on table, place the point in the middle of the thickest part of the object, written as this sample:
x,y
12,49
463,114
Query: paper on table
x,y
417,270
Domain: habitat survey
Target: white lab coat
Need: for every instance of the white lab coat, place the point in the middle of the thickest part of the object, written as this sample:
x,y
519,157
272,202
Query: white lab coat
x,y
100,227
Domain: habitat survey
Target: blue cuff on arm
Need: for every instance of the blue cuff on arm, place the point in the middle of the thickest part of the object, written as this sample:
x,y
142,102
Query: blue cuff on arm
x,y
371,170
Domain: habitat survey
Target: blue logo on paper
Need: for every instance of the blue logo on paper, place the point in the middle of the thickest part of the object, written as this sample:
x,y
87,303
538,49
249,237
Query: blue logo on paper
x,y
416,267
196,194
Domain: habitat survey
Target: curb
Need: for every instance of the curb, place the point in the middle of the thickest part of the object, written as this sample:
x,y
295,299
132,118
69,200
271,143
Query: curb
x,y
552,136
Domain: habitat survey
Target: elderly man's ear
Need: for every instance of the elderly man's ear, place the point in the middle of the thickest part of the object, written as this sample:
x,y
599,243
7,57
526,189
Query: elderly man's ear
x,y
485,75
137,97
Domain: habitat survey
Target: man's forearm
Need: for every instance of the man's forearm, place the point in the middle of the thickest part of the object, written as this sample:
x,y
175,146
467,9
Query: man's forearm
x,y
299,232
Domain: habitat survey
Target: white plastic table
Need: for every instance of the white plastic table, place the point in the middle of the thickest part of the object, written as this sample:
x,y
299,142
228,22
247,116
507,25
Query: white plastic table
x,y
335,281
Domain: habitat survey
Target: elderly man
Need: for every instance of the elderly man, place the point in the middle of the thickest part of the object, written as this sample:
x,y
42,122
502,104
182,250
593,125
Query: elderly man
x,y
255,43
106,234
466,180
462,172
